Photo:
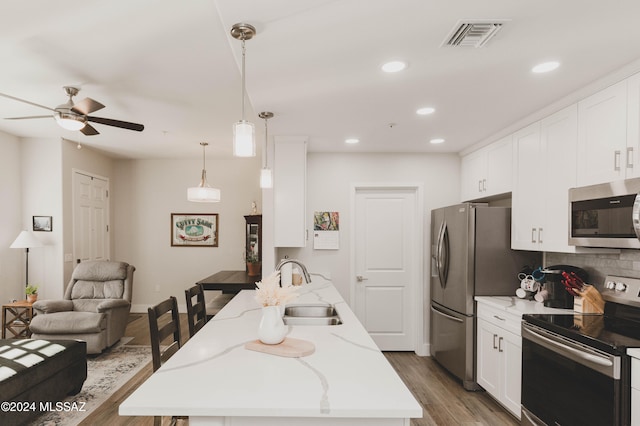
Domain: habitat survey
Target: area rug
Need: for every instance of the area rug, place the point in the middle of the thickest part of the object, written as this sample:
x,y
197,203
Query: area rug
x,y
106,373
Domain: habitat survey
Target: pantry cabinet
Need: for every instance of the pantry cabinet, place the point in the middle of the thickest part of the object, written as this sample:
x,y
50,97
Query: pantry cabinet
x,y
487,171
543,173
602,136
499,356
289,192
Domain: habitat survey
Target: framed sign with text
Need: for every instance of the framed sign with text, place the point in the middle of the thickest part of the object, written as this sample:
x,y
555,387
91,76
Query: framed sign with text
x,y
194,230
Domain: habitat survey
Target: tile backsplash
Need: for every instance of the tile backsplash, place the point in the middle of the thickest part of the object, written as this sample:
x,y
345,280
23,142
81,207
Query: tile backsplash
x,y
626,263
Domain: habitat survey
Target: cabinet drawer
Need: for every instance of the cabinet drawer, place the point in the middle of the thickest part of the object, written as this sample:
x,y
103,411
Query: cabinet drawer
x,y
635,373
500,318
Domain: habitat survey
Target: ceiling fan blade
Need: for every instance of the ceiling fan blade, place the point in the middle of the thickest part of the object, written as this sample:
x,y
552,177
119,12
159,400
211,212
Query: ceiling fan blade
x,y
117,123
87,106
28,118
89,130
26,102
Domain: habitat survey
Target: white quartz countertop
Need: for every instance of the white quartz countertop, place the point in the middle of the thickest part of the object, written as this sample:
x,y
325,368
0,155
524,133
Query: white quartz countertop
x,y
519,306
214,375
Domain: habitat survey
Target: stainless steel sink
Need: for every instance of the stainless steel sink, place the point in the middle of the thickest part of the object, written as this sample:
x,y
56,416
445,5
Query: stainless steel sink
x,y
310,311
311,315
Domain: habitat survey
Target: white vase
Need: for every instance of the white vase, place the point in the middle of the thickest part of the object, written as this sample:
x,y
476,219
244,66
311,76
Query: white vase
x,y
272,329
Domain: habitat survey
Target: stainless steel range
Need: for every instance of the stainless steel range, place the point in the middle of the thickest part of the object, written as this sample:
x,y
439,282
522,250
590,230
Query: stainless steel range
x,y
575,369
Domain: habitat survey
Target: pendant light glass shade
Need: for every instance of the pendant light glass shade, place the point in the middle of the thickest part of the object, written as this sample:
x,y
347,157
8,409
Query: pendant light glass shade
x,y
203,193
266,177
244,140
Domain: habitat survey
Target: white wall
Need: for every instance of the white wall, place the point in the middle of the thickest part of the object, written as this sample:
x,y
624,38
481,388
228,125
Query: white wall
x,y
146,192
329,180
11,260
41,178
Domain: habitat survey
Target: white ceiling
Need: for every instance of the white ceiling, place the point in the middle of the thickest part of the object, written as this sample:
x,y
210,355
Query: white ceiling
x,y
172,66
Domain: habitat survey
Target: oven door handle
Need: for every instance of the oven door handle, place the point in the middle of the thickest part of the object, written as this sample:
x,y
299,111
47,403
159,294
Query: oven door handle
x,y
605,365
635,215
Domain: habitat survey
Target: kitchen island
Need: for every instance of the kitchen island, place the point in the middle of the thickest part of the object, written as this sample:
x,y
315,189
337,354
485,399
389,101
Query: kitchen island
x,y
214,380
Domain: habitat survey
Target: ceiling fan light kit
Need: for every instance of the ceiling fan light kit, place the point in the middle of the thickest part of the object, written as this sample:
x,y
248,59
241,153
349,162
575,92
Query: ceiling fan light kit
x,y
244,141
203,193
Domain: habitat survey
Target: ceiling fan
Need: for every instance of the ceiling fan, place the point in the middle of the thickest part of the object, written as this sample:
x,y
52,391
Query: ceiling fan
x,y
75,116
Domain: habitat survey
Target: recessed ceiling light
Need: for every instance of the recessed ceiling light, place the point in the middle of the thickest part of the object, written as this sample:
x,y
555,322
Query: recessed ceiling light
x,y
352,140
436,141
545,67
394,66
425,111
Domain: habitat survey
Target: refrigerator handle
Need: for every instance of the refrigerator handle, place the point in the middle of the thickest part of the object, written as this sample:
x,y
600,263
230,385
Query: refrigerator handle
x,y
445,256
442,261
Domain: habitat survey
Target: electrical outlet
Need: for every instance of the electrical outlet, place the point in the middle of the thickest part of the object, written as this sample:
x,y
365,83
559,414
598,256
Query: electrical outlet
x,y
68,257
157,288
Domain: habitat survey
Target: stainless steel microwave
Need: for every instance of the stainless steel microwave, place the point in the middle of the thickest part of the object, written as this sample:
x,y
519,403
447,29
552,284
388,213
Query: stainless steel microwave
x,y
605,215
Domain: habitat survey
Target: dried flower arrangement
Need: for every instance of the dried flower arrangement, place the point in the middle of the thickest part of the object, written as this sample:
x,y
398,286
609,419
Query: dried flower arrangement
x,y
269,292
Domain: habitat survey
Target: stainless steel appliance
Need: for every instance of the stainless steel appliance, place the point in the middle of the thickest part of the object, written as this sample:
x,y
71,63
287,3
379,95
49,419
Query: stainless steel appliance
x,y
606,215
470,256
575,370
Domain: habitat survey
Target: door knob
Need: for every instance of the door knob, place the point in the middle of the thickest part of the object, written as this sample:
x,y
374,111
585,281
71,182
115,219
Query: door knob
x,y
360,278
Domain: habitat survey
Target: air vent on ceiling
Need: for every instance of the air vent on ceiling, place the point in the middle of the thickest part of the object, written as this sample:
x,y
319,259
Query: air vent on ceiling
x,y
473,33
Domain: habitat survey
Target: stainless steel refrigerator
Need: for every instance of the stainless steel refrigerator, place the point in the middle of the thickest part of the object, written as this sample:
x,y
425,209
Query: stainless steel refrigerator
x,y
470,256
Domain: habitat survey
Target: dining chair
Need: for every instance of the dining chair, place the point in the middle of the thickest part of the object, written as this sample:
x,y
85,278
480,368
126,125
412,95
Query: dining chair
x,y
164,322
196,311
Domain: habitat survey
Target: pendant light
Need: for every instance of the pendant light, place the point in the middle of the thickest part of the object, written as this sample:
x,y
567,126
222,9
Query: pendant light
x,y
266,178
203,193
244,140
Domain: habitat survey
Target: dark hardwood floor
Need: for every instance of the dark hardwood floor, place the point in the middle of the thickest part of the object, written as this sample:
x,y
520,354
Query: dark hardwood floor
x,y
443,399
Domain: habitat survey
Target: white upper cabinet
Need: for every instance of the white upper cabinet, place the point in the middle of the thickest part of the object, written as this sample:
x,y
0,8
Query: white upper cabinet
x,y
545,170
632,163
289,192
602,136
527,205
487,171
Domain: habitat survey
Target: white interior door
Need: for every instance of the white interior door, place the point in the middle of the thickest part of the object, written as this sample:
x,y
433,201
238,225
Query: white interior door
x,y
387,253
90,217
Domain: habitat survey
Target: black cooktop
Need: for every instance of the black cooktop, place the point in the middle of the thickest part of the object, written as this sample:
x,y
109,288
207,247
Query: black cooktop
x,y
606,332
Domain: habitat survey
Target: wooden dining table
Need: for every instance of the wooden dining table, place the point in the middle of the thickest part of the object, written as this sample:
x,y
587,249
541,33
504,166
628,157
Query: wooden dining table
x,y
230,282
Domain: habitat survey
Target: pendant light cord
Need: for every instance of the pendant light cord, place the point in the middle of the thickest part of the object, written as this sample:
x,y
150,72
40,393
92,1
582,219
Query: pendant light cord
x,y
266,141
243,73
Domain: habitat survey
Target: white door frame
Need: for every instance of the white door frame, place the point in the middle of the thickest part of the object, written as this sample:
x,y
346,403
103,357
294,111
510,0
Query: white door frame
x,y
418,243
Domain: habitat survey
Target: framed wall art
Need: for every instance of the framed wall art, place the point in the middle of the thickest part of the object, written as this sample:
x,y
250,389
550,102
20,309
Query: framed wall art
x,y
194,230
42,223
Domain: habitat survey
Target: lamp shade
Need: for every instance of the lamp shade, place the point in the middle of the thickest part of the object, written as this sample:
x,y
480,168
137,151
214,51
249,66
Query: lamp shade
x,y
244,141
26,239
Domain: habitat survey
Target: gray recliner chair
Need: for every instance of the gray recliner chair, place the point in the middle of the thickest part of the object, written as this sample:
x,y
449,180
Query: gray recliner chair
x,y
95,308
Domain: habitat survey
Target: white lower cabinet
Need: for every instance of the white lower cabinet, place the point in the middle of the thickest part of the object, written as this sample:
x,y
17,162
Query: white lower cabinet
x,y
499,356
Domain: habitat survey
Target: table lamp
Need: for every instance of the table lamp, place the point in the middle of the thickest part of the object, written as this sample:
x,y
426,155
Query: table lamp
x,y
26,240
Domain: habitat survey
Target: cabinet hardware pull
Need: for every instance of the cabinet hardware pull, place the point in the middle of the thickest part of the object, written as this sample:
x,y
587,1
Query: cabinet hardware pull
x,y
533,235
484,185
540,235
500,344
630,157
480,185
495,346
498,318
616,161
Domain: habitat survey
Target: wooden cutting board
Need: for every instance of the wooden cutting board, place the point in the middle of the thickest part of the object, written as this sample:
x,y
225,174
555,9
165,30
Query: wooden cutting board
x,y
289,347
